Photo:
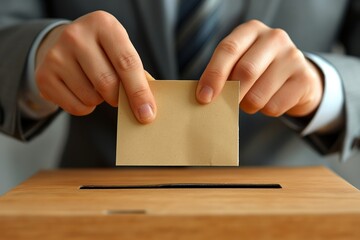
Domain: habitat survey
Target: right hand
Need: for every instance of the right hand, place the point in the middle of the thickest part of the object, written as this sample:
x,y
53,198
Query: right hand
x,y
81,64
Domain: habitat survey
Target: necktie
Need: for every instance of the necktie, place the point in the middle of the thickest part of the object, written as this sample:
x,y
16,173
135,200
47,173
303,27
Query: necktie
x,y
197,34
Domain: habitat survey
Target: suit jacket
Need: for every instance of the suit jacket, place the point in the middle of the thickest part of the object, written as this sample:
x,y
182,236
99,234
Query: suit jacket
x,y
314,26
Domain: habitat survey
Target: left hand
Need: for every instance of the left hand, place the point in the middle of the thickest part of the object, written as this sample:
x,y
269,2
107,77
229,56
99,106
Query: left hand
x,y
275,77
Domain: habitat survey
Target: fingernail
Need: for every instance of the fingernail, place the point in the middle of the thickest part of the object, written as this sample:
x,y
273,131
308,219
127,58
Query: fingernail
x,y
145,112
206,94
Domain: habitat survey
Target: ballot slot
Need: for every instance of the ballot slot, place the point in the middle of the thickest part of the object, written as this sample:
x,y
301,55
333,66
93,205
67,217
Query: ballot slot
x,y
125,212
184,186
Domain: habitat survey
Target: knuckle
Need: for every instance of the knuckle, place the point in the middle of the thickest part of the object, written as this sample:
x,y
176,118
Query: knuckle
x,y
255,23
102,16
90,98
107,77
54,57
139,93
272,109
247,70
99,14
128,62
105,81
294,54
306,76
254,101
214,74
279,35
310,98
71,34
229,46
106,21
122,31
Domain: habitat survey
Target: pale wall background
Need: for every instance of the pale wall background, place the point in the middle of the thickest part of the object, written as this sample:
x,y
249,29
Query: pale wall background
x,y
18,161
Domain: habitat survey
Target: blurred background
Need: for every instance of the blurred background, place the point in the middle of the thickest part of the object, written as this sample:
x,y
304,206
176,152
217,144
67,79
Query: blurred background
x,y
18,161
21,160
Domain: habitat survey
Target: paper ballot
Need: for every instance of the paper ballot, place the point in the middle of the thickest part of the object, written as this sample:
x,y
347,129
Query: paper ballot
x,y
185,132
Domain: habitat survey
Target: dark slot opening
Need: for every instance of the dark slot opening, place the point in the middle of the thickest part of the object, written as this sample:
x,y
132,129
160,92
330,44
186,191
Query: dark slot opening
x,y
185,186
125,211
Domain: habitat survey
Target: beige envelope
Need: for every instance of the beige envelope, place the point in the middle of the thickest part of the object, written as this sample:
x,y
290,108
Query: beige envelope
x,y
185,133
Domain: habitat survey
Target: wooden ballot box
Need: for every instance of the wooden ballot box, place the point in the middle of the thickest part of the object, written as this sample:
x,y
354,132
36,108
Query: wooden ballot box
x,y
182,203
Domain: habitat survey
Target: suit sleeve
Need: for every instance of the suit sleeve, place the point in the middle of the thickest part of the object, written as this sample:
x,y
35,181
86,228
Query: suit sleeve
x,y
347,141
20,23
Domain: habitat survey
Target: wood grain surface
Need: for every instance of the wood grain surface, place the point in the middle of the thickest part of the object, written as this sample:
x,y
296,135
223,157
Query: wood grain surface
x,y
312,203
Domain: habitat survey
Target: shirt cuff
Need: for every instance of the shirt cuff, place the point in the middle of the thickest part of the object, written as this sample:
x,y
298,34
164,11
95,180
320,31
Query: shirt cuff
x,y
330,115
30,102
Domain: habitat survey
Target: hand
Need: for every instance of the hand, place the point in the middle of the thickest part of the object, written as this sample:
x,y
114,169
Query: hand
x,y
275,76
81,64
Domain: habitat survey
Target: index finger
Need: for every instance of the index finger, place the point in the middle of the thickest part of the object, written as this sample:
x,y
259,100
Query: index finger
x,y
128,65
225,57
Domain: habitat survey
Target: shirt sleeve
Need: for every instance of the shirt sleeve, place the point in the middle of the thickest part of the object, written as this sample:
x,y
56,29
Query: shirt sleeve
x,y
330,113
31,104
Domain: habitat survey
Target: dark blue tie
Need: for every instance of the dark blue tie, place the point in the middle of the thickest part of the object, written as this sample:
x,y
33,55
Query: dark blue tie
x,y
197,34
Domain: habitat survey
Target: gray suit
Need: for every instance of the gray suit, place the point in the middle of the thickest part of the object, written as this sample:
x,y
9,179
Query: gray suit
x,y
312,24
